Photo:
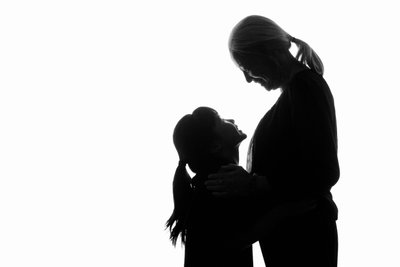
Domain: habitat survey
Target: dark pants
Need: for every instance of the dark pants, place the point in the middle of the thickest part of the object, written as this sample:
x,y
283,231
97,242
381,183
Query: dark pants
x,y
309,240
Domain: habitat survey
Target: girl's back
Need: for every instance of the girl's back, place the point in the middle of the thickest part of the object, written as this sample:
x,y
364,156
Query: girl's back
x,y
212,225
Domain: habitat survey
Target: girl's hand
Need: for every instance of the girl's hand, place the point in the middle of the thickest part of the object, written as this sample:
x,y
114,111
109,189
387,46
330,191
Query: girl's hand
x,y
266,225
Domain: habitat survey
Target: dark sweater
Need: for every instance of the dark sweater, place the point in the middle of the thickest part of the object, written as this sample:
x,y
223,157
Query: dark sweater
x,y
295,143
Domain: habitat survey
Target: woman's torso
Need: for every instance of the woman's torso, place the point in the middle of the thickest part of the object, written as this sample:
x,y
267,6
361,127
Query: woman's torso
x,y
295,143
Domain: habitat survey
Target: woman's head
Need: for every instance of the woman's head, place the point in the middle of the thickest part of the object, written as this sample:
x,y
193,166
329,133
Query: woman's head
x,y
256,32
202,139
261,49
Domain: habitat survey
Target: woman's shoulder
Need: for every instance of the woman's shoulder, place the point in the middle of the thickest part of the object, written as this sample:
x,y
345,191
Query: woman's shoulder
x,y
307,77
308,82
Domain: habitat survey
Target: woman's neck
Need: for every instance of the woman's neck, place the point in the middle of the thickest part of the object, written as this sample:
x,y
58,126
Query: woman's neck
x,y
293,67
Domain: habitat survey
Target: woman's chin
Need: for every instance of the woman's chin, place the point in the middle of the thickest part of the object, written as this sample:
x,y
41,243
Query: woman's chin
x,y
270,86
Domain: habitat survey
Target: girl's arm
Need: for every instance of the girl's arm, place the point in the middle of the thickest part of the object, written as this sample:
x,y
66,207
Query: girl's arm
x,y
265,225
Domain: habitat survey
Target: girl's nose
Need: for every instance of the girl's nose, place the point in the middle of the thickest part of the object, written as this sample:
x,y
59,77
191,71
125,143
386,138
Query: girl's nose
x,y
248,77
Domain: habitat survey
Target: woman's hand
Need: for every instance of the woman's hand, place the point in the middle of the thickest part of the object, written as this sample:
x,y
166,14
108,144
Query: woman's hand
x,y
230,181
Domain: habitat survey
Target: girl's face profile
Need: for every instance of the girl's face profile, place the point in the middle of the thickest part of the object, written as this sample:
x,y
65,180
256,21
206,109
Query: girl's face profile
x,y
229,133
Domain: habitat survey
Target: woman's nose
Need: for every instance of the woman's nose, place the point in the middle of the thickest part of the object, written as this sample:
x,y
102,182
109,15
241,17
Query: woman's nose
x,y
248,77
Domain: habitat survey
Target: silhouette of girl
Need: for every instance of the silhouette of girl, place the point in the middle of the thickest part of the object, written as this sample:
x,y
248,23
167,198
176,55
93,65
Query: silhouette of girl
x,y
205,142
293,152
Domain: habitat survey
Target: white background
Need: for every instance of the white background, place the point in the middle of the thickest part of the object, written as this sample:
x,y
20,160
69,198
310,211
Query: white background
x,y
90,92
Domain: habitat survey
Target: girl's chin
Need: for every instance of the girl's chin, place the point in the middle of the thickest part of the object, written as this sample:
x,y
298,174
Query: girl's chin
x,y
242,136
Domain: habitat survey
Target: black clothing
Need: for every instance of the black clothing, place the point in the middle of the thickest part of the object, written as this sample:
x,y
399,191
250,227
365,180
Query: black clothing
x,y
210,225
295,148
308,240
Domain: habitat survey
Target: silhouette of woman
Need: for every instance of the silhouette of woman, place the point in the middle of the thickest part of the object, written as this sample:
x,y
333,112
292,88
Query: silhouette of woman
x,y
293,152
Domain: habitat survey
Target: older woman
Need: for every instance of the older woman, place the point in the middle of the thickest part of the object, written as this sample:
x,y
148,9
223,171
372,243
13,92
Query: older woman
x,y
293,153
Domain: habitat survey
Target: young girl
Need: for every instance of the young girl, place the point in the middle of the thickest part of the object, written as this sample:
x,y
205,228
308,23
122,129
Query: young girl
x,y
206,224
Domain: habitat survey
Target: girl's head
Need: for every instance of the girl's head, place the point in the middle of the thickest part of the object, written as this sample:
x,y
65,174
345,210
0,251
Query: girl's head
x,y
261,49
204,141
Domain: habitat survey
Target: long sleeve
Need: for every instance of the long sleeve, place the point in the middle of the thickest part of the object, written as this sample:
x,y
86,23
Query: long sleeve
x,y
314,123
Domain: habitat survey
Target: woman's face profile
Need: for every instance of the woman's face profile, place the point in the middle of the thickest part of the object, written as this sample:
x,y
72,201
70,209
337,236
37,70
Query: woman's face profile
x,y
250,76
259,69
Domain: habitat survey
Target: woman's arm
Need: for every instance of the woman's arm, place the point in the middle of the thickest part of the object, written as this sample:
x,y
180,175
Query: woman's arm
x,y
314,122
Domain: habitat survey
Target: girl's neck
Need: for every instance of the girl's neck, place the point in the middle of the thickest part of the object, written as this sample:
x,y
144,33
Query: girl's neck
x,y
215,166
230,156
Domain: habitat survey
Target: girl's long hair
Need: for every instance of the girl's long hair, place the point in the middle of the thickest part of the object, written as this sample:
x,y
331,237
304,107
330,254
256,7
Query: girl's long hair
x,y
182,192
255,31
192,138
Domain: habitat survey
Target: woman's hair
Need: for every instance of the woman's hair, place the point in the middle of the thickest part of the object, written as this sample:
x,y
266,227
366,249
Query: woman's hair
x,y
193,137
255,32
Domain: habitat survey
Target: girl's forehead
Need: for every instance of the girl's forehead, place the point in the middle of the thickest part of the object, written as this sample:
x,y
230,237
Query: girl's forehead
x,y
218,117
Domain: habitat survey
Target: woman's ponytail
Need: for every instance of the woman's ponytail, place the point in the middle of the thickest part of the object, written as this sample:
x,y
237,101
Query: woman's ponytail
x,y
307,56
182,192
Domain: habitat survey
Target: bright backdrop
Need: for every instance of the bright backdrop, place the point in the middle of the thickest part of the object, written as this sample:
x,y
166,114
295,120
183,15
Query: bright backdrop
x,y
90,92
